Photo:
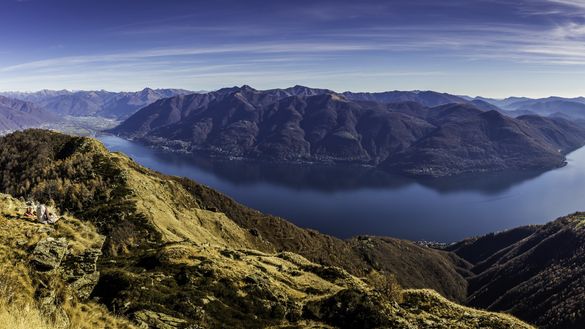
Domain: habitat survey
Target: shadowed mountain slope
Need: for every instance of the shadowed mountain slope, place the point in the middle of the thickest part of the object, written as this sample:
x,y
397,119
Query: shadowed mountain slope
x,y
405,137
536,272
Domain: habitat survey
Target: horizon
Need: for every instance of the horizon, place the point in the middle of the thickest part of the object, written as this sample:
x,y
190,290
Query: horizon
x,y
259,89
463,47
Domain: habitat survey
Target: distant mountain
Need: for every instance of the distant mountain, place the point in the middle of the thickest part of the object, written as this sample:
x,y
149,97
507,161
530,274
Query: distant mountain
x,y
300,124
486,106
34,97
116,105
536,273
426,98
550,107
16,114
557,106
467,139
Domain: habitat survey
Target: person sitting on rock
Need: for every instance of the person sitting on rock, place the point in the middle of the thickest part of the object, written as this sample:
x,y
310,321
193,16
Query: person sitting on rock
x,y
29,213
42,213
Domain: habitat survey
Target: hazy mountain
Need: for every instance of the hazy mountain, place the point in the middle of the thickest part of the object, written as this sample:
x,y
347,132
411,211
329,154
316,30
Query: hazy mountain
x,y
516,106
486,106
117,105
328,127
16,114
37,96
426,98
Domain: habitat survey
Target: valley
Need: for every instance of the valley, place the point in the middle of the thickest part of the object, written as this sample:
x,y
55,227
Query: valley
x,y
331,164
201,258
353,216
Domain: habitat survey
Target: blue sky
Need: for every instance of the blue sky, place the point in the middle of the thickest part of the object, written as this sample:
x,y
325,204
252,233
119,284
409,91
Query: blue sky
x,y
493,48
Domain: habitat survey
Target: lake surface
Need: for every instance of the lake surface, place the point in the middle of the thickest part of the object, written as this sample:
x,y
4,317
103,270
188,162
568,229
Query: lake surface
x,y
348,201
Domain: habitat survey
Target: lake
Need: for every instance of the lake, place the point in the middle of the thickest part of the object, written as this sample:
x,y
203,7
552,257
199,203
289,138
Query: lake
x,y
349,201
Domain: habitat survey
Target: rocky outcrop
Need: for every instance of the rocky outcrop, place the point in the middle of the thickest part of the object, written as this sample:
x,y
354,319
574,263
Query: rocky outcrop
x,y
79,270
154,320
48,254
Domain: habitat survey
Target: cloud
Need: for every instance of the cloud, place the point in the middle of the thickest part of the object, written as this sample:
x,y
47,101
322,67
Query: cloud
x,y
265,48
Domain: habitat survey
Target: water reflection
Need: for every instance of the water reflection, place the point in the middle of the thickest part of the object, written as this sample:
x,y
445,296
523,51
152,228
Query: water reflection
x,y
325,178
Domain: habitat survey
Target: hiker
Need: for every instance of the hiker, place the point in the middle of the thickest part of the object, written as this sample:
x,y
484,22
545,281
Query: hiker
x,y
41,213
29,210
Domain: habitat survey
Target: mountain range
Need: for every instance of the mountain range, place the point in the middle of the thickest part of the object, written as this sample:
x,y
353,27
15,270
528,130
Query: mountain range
x,y
16,114
410,132
573,108
116,105
424,133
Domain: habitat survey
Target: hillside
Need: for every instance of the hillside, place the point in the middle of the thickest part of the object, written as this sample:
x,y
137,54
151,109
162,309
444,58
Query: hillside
x,y
16,114
534,272
178,253
469,140
329,128
49,272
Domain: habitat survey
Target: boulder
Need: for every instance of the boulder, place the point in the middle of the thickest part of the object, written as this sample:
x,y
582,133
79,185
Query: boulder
x,y
48,254
156,320
80,272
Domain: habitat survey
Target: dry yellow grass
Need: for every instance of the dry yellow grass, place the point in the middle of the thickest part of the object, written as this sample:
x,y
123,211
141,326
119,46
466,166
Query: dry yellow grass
x,y
18,308
170,208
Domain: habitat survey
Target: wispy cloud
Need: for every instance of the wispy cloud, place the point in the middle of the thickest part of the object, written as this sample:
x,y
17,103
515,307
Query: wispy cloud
x,y
288,48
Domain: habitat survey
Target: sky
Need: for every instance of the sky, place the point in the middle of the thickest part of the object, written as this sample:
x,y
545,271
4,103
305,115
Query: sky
x,y
492,48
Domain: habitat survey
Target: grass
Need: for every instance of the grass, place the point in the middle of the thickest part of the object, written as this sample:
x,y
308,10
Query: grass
x,y
435,311
22,318
19,282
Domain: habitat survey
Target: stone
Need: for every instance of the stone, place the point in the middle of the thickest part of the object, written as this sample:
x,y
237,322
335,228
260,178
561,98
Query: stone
x,y
84,285
80,271
48,254
155,320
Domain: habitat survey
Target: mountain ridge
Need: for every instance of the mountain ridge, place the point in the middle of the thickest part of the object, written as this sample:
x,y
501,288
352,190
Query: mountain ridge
x,y
274,125
16,114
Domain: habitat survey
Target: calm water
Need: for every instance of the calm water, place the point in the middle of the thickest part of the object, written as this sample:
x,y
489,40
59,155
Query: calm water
x,y
354,200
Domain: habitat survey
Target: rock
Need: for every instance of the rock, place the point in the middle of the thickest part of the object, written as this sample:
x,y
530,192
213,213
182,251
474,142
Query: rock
x,y
49,253
80,271
155,320
82,264
350,308
84,286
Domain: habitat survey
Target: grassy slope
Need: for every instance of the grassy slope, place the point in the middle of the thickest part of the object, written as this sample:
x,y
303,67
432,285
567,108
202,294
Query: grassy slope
x,y
19,282
414,266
